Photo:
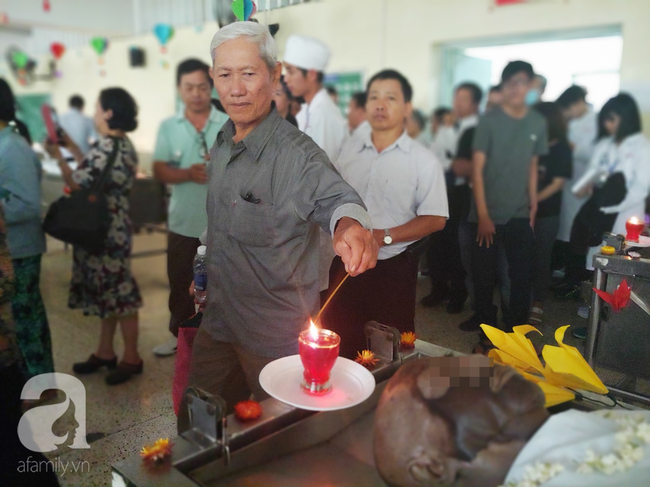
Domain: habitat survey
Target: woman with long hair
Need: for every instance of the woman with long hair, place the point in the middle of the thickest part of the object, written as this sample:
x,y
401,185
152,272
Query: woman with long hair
x,y
622,150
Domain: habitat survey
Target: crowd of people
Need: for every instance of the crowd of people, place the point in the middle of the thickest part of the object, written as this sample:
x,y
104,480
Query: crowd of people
x,y
512,182
290,199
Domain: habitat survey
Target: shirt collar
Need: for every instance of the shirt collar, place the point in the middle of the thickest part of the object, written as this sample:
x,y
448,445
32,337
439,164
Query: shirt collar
x,y
258,138
319,98
404,143
469,120
213,117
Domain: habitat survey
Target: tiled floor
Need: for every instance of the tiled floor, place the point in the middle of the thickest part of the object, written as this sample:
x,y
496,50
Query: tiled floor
x,y
120,420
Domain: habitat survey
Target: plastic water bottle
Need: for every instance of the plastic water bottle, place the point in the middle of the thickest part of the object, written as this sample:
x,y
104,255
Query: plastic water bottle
x,y
200,275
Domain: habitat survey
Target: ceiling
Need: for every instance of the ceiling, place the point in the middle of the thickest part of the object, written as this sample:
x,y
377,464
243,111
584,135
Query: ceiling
x,y
74,22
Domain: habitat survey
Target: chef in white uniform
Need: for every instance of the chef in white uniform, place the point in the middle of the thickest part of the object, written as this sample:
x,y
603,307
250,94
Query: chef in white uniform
x,y
305,61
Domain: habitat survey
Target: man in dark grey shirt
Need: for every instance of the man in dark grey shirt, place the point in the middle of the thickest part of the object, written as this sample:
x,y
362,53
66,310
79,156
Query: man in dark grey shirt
x,y
507,143
270,189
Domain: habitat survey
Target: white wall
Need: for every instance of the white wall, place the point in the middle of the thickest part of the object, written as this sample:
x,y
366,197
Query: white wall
x,y
73,14
414,32
153,87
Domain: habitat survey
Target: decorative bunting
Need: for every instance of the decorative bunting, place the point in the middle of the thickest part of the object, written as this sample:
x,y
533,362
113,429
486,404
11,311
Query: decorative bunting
x,y
244,9
57,49
164,33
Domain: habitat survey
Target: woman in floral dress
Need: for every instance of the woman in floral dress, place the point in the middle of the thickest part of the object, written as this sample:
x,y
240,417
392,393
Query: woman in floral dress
x,y
102,284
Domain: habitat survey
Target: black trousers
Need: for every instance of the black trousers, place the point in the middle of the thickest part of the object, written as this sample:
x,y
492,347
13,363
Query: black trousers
x,y
180,260
443,254
516,237
385,294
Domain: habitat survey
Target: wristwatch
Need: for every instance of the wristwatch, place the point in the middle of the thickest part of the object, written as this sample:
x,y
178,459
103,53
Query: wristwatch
x,y
387,238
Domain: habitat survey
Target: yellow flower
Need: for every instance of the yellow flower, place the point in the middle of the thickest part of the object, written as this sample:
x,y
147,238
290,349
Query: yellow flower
x,y
158,451
408,339
366,358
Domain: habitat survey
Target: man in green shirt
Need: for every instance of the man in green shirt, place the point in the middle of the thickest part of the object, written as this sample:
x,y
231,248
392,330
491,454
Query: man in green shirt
x,y
182,148
507,143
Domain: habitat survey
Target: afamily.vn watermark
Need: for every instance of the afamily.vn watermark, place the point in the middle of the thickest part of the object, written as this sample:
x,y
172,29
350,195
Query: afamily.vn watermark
x,y
56,465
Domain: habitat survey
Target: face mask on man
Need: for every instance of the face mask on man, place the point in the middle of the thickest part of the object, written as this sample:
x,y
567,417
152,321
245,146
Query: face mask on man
x,y
532,96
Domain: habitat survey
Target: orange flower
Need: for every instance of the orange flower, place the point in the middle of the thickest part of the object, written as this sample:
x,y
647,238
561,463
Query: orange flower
x,y
248,410
366,358
408,339
158,451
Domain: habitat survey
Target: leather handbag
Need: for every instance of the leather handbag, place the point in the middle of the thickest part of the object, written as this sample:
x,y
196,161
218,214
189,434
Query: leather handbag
x,y
82,218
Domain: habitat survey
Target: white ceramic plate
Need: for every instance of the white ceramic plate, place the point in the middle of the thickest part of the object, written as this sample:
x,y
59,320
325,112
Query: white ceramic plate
x,y
351,384
643,242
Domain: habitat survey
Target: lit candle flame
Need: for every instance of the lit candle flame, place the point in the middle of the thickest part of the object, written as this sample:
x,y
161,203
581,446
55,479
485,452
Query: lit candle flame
x,y
313,331
634,220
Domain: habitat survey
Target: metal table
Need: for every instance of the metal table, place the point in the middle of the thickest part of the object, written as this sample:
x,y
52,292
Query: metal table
x,y
286,447
620,341
260,452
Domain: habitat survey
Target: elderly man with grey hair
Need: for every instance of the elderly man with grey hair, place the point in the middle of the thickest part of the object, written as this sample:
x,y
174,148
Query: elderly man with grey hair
x,y
270,189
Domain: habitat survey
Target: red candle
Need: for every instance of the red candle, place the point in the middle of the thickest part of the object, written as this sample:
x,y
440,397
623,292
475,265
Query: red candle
x,y
634,228
319,350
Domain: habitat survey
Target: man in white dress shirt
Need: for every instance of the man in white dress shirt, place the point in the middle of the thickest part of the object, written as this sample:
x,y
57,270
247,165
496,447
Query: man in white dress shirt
x,y
305,61
402,184
79,127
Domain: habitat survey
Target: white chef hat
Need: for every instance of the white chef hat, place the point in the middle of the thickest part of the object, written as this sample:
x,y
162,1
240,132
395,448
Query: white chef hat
x,y
306,53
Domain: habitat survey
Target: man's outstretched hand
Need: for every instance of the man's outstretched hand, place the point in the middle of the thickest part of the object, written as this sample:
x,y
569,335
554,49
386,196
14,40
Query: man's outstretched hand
x,y
356,246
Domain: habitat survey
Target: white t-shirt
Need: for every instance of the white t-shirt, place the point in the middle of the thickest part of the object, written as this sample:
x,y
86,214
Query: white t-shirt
x,y
402,182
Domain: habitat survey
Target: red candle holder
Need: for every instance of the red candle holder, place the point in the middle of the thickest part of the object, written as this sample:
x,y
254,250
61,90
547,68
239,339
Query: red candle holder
x,y
634,227
318,350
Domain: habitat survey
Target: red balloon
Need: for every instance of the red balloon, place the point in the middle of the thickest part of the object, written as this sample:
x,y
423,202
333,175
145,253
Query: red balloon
x,y
57,49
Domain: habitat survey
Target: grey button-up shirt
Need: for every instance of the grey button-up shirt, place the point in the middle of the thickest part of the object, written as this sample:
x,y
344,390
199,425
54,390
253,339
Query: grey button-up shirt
x,y
267,196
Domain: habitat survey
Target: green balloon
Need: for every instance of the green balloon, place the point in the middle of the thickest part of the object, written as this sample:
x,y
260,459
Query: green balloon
x,y
99,44
20,59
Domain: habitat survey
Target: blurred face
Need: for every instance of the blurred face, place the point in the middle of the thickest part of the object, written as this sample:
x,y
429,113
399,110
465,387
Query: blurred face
x,y
243,81
576,110
356,115
195,91
495,98
514,90
537,84
412,127
101,118
294,107
612,122
281,99
386,107
297,82
464,104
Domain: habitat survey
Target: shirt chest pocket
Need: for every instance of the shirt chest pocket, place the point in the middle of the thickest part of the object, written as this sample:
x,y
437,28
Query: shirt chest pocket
x,y
398,190
252,224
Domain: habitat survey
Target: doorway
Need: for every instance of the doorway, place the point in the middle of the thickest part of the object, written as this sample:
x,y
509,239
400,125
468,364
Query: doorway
x,y
591,59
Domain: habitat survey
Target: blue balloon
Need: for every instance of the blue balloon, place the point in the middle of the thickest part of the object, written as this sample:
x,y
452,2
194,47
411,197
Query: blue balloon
x,y
163,32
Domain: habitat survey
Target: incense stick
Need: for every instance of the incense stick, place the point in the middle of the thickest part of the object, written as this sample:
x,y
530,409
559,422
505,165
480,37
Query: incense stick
x,y
330,298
